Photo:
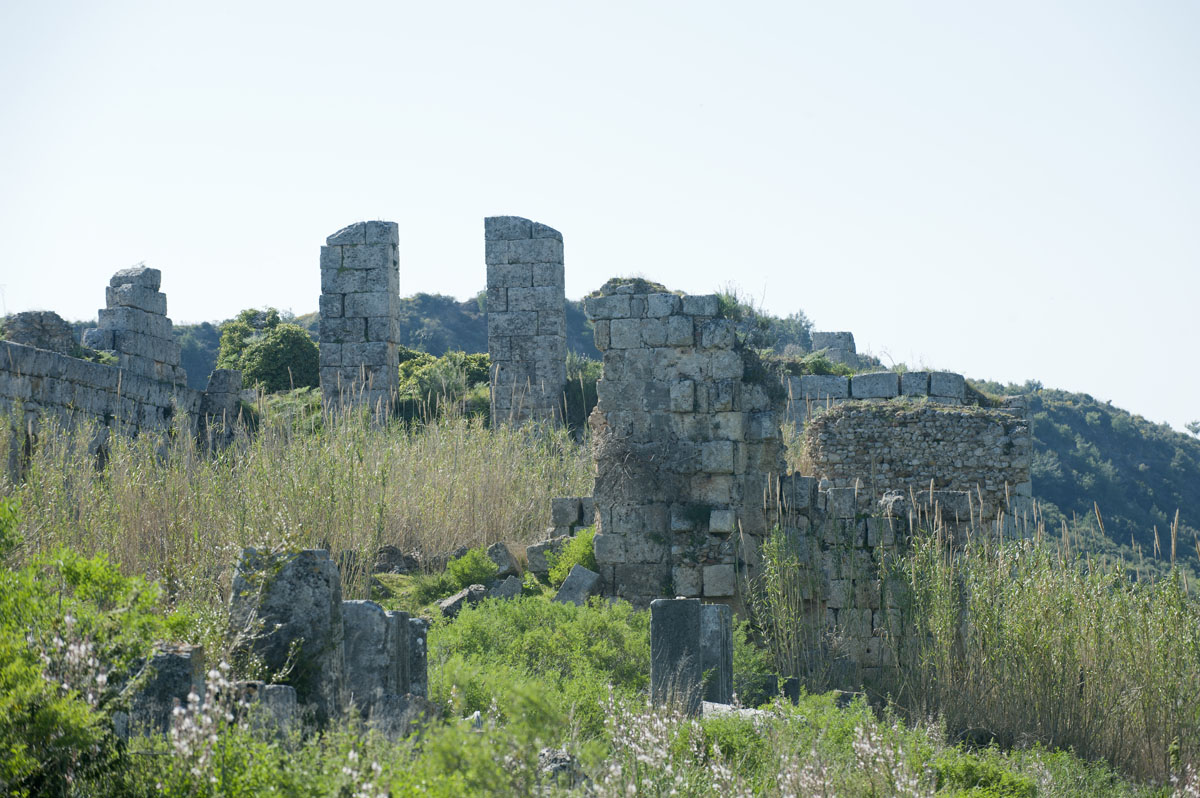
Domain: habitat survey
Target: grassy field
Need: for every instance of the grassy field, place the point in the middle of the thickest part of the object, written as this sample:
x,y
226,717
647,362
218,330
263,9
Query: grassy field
x,y
1027,669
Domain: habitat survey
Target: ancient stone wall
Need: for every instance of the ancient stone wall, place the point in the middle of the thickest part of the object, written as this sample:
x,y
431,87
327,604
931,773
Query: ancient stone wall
x,y
916,446
838,346
41,329
146,390
135,327
686,448
360,296
527,323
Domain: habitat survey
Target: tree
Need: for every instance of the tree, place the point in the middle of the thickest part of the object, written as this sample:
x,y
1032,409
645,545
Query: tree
x,y
1194,427
269,352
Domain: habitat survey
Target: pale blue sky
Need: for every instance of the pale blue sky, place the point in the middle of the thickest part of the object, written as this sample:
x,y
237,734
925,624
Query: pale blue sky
x,y
1007,189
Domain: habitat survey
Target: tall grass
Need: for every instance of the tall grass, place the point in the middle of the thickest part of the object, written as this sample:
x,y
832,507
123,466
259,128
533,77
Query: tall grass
x,y
166,508
1024,641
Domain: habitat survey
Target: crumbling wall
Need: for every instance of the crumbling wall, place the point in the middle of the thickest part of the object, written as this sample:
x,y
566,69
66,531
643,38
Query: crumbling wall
x,y
838,347
919,445
527,323
360,300
687,448
41,329
134,326
145,390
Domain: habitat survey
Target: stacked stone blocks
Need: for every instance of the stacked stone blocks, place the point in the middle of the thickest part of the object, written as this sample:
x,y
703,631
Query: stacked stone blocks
x,y
135,327
527,323
686,448
359,307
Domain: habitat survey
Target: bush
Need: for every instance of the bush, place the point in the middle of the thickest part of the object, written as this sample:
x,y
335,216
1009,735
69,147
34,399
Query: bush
x,y
473,568
70,631
577,551
285,357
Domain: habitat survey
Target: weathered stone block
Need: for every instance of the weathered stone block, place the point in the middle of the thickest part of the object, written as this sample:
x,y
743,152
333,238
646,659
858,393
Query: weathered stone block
x,y
135,296
468,596
815,386
722,521
176,672
382,329
615,306
676,660
379,258
565,511
683,396
625,334
508,588
947,385
842,503
654,332
376,646
294,597
717,457
680,331
879,385
609,548
512,275
331,306
535,250
375,303
506,563
142,276
717,334
716,652
548,274
351,234
659,305
914,383
720,580
506,228
578,586
701,305
524,323
687,580
535,555
726,365
380,232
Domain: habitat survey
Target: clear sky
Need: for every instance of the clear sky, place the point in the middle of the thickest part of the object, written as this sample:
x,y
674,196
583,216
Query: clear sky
x,y
1009,189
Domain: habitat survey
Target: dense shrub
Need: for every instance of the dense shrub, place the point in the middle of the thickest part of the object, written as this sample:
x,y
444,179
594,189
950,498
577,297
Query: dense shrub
x,y
577,551
473,568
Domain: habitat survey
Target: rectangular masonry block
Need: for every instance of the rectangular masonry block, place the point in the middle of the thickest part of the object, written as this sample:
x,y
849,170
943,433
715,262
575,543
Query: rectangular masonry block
x,y
615,306
879,385
947,385
331,306
687,580
625,334
722,521
683,396
720,580
536,298
540,230
368,354
358,281
717,334
676,665
815,386
135,320
368,256
506,228
535,250
549,274
351,234
609,548
914,383
553,323
653,332
143,276
716,457
330,354
495,253
343,330
497,299
565,511
382,328
716,652
512,323
510,275
383,233
659,305
680,331
374,303
702,305
726,365
135,296
331,258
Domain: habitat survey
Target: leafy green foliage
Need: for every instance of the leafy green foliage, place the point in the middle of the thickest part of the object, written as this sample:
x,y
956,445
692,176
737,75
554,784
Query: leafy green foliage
x,y
283,359
965,775
10,536
577,551
71,630
473,568
516,650
198,345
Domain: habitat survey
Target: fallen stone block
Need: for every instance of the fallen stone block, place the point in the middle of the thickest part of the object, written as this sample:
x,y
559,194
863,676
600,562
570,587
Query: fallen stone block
x,y
535,555
468,596
508,588
175,673
506,563
675,655
579,584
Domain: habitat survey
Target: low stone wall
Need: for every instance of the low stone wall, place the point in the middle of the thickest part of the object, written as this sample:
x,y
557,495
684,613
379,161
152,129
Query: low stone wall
x,y
913,447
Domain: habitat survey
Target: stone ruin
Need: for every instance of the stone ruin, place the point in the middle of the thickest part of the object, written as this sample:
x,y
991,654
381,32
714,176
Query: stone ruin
x,y
686,448
145,390
527,322
336,654
837,346
360,300
134,326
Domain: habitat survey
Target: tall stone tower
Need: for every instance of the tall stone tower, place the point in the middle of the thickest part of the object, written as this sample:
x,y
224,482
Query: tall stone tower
x,y
360,296
527,322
